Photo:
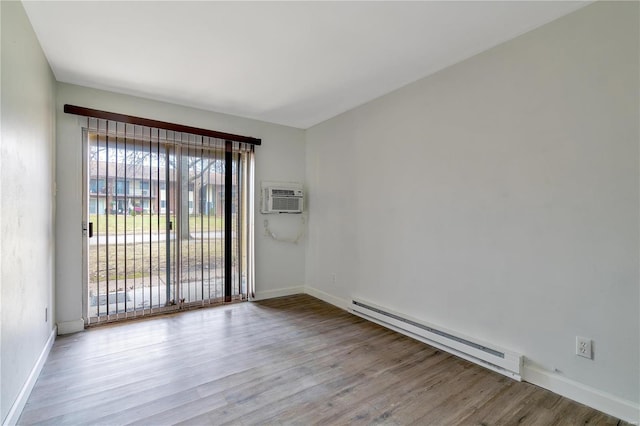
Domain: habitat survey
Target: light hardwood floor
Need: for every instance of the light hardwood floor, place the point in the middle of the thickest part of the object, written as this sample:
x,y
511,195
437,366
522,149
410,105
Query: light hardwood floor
x,y
291,360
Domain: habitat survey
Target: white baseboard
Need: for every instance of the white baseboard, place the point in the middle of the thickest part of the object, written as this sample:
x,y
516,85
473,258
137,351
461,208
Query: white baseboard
x,y
335,301
602,401
270,294
23,396
68,327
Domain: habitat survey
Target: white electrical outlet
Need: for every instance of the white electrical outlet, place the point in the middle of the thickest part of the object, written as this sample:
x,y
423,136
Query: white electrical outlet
x,y
583,347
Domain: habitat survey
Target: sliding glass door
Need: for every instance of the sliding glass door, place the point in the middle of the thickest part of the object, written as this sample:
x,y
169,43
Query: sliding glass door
x,y
166,221
201,249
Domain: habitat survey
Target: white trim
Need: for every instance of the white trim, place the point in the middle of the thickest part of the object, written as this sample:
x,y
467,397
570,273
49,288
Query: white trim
x,y
68,327
16,409
270,294
592,397
335,301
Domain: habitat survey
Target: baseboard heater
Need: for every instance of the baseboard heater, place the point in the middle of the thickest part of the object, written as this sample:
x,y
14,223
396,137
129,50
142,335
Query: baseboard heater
x,y
489,356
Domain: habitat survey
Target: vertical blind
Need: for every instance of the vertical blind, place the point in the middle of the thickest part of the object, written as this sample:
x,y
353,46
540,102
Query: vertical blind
x,y
172,219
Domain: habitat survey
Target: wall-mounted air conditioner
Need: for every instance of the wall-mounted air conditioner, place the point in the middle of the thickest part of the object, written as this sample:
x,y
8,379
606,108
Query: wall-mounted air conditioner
x,y
282,198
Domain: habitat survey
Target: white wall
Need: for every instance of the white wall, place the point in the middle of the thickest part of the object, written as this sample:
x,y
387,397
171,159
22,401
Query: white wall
x,y
499,198
279,266
26,203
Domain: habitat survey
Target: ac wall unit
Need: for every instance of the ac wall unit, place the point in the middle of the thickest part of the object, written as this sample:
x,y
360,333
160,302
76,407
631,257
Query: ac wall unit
x,y
282,198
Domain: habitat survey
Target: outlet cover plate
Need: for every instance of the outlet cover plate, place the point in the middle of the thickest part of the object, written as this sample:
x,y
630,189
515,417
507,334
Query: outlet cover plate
x,y
583,347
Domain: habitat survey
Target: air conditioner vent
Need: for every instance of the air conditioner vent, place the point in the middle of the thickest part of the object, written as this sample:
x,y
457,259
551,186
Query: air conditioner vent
x,y
283,192
288,204
282,198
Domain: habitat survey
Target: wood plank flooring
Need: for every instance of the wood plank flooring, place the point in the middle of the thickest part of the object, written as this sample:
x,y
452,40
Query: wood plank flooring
x,y
291,360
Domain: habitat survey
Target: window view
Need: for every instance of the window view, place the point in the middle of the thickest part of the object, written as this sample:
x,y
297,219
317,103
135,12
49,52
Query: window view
x,y
157,211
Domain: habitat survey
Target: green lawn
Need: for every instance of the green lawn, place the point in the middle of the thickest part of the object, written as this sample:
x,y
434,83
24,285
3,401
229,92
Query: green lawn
x,y
131,261
120,224
119,262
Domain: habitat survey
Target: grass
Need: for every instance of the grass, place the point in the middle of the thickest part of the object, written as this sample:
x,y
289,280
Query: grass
x,y
144,264
121,224
132,261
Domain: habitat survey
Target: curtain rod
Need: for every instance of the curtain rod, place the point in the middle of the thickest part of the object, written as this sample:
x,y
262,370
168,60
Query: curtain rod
x,y
129,119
